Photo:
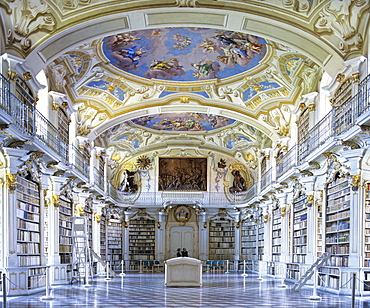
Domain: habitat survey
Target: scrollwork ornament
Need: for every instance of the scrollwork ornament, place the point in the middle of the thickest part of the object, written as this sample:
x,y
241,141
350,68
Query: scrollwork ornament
x,y
55,200
11,182
355,181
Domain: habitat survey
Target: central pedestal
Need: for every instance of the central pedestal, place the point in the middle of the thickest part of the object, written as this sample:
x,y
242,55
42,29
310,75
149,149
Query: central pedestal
x,y
183,272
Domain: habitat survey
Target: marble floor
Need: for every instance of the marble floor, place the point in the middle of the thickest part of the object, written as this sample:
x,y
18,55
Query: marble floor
x,y
148,290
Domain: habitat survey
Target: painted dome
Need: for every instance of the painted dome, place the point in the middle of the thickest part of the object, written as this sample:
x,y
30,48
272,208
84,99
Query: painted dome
x,y
184,54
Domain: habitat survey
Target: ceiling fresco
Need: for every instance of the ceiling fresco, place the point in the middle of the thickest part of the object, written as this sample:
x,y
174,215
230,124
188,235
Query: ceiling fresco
x,y
184,54
183,122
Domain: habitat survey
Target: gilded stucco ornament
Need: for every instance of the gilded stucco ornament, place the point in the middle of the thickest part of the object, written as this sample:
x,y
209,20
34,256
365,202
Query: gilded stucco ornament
x,y
310,201
11,182
355,181
342,19
186,3
89,118
29,18
55,200
97,217
279,120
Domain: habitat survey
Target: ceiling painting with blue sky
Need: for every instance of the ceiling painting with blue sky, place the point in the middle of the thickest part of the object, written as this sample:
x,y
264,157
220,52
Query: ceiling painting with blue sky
x,y
183,122
184,54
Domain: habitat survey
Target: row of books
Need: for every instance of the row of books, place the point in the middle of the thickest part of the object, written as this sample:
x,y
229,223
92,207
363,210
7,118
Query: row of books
x,y
28,248
28,207
28,236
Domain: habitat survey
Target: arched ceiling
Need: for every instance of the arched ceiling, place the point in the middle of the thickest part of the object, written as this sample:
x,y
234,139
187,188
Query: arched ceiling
x,y
121,63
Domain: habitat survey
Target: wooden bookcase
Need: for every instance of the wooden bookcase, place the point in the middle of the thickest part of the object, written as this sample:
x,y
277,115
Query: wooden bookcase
x,y
114,237
300,229
65,230
142,239
319,244
337,224
103,238
367,227
276,234
261,238
248,240
28,223
221,239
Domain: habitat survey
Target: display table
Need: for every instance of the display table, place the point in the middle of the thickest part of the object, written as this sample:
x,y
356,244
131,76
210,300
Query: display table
x,y
183,272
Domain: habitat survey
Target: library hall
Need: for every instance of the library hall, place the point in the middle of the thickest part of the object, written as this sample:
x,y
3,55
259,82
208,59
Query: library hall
x,y
194,153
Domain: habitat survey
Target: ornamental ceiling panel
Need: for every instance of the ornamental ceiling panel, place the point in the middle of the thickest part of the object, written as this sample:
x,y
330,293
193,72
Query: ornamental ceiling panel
x,y
184,54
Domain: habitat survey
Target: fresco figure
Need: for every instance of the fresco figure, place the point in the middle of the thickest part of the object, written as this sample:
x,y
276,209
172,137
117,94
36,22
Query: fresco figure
x,y
238,183
128,184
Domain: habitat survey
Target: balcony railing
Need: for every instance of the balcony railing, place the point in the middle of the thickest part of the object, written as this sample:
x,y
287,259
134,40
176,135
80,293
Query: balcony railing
x,y
364,96
321,132
78,160
286,162
187,197
98,178
266,179
23,116
49,135
4,94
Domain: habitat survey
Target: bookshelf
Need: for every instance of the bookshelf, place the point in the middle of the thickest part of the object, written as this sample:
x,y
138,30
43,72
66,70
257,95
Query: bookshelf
x,y
65,230
367,227
276,234
221,239
248,240
114,237
103,238
261,240
319,238
142,239
28,223
329,277
292,271
337,224
300,228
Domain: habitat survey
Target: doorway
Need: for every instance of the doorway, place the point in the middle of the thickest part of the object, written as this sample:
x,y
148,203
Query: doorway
x,y
180,237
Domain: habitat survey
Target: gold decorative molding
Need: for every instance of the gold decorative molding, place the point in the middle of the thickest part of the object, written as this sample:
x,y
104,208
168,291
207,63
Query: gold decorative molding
x,y
27,76
311,107
55,200
283,211
340,77
184,99
158,224
204,224
97,217
12,75
11,182
55,106
355,181
356,78
266,218
127,224
310,200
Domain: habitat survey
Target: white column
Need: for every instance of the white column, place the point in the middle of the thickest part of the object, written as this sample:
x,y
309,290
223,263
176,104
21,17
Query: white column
x,y
308,183
267,256
284,227
357,207
126,243
161,231
9,202
237,237
203,236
